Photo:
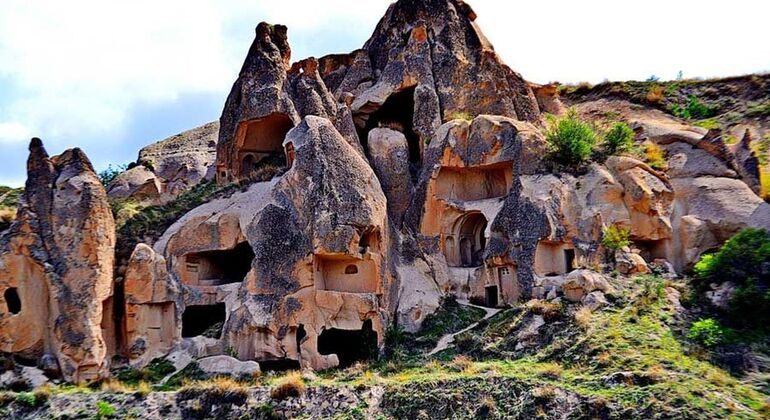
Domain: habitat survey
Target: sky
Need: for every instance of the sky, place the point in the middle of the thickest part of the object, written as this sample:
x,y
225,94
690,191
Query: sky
x,y
112,76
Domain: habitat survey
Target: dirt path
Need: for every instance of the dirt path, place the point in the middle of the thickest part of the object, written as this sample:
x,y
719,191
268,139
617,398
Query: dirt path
x,y
446,341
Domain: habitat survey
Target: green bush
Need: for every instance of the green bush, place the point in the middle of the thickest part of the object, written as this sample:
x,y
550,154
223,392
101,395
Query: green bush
x,y
619,139
104,410
571,140
708,332
743,260
26,398
108,175
695,109
616,237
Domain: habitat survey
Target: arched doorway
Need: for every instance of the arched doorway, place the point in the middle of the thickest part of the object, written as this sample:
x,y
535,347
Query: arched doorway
x,y
248,165
472,239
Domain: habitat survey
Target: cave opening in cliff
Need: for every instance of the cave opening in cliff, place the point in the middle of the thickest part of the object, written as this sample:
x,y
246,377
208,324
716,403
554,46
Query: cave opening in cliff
x,y
203,320
651,250
554,258
215,268
279,365
261,140
472,240
12,300
350,346
477,183
396,113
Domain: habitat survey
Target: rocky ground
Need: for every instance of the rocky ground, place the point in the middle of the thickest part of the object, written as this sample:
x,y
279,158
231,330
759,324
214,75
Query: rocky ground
x,y
544,359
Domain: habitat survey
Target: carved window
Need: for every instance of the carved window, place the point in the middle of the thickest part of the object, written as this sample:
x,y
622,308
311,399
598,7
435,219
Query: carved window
x,y
351,269
12,301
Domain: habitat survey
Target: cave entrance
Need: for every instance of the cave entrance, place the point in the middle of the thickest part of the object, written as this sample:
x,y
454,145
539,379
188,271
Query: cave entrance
x,y
651,250
12,300
260,139
554,258
472,240
203,320
280,365
350,346
215,268
569,259
396,113
490,296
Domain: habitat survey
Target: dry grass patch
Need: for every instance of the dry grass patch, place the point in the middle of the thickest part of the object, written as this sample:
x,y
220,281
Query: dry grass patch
x,y
583,317
292,385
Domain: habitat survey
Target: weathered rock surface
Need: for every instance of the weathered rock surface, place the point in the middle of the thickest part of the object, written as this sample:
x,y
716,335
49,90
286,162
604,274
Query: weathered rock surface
x,y
406,171
56,267
168,168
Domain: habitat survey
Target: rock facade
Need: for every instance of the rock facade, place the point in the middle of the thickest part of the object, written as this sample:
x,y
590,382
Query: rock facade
x,y
166,169
56,266
407,171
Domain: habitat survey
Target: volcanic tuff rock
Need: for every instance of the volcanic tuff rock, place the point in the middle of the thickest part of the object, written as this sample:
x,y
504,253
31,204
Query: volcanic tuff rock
x,y
407,171
166,169
56,267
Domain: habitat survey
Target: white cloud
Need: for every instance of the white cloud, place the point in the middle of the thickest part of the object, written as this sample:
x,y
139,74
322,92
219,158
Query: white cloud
x,y
80,70
13,132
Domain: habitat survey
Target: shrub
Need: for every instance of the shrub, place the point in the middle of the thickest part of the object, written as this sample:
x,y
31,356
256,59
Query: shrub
x,y
583,317
759,109
743,260
26,398
655,94
707,332
571,140
108,175
616,237
695,109
619,139
104,410
655,157
291,385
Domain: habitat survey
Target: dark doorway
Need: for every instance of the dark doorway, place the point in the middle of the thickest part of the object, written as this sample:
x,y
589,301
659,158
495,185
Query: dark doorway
x,y
12,300
569,259
396,113
203,320
490,298
350,346
222,266
281,365
472,240
247,167
301,334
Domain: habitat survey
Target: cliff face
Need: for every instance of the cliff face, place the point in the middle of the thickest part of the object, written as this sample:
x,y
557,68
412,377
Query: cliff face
x,y
408,171
57,263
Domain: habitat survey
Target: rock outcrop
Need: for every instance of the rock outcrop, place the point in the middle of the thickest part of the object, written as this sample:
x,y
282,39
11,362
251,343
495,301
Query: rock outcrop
x,y
373,184
168,168
56,267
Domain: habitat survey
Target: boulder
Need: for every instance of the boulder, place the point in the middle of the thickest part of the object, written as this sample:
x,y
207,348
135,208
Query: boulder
x,y
580,283
389,156
594,300
722,294
138,183
228,366
630,263
34,376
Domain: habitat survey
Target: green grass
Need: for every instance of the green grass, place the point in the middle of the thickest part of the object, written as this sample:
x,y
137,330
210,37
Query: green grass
x,y
708,124
759,109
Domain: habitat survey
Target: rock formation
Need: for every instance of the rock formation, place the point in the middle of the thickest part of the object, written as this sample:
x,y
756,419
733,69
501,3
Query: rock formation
x,y
166,169
56,268
409,170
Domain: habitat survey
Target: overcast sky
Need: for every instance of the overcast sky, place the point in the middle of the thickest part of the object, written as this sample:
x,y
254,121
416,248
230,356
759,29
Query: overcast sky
x,y
113,76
